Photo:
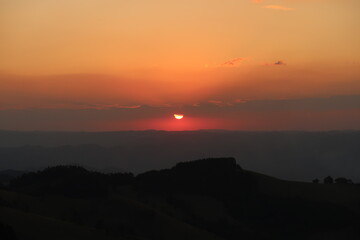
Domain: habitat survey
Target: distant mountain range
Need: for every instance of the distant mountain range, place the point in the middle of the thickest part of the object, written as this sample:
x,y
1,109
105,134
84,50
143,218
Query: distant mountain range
x,y
300,156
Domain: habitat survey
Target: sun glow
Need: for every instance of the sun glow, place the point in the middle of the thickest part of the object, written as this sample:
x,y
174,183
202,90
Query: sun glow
x,y
178,116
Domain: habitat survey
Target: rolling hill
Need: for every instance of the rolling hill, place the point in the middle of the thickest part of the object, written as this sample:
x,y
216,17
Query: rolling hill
x,y
203,199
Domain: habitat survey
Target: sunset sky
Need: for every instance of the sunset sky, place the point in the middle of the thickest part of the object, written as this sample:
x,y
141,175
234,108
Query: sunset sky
x,y
106,65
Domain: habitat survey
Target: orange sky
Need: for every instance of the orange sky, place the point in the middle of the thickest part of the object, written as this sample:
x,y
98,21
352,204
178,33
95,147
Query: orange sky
x,y
101,54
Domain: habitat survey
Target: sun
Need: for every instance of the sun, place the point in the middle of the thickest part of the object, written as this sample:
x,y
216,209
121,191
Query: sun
x,y
178,116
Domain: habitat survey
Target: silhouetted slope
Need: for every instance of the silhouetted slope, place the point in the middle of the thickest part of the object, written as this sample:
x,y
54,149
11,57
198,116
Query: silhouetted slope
x,y
113,217
265,205
347,195
7,232
69,181
203,199
215,177
7,175
32,226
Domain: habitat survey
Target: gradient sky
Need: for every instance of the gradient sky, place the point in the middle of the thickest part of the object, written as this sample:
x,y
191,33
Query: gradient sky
x,y
129,65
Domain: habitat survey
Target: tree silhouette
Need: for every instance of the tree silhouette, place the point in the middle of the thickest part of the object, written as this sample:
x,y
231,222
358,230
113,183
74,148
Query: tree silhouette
x,y
342,180
328,180
7,232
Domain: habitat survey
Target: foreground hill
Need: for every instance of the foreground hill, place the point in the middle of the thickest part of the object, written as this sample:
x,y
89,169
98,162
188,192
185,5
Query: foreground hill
x,y
204,199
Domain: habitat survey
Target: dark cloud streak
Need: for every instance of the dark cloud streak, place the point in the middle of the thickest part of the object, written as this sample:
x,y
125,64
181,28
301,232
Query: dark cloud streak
x,y
87,119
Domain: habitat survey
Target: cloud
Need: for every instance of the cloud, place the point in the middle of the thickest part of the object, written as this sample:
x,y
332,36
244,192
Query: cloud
x,y
84,106
257,1
241,100
241,114
277,63
107,106
278,7
216,102
233,62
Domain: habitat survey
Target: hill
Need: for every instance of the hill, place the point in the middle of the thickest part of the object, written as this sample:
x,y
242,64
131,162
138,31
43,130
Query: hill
x,y
7,175
203,199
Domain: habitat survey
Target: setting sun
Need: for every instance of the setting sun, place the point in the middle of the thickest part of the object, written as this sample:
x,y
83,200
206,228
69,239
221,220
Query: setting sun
x,y
178,116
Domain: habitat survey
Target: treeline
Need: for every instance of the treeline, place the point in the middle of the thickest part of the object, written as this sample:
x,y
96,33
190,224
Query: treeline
x,y
331,180
205,176
69,181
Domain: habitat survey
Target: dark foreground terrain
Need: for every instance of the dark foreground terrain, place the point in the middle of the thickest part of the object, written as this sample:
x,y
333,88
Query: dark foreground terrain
x,y
204,199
